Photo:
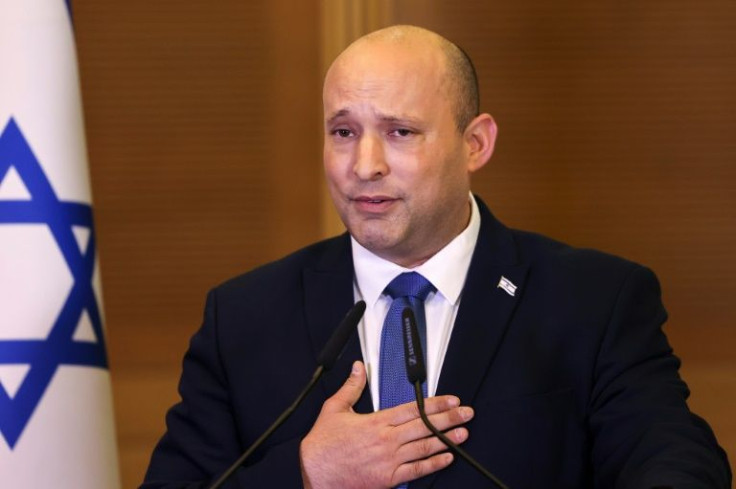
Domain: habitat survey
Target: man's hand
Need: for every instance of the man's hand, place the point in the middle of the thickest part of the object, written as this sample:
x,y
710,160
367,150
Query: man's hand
x,y
378,450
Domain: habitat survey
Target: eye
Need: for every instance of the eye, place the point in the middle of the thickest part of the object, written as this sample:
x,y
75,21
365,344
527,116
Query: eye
x,y
342,133
402,132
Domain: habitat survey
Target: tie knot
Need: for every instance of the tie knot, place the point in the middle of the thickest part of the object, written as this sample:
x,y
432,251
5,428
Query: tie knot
x,y
410,284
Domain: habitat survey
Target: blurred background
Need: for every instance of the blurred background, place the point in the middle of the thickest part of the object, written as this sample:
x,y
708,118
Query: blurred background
x,y
617,123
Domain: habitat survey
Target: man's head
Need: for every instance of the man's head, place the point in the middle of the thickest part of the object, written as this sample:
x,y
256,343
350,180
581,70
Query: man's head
x,y
402,137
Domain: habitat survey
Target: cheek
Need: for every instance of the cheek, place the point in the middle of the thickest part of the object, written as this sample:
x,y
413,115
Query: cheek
x,y
336,162
331,169
336,189
443,188
436,174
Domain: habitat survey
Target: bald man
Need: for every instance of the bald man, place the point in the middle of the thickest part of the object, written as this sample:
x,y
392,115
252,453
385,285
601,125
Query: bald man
x,y
547,362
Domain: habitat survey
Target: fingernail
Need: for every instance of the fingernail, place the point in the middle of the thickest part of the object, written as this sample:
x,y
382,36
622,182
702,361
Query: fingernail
x,y
356,368
453,402
466,413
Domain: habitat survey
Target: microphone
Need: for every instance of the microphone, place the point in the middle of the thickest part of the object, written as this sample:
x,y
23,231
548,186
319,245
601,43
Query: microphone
x,y
415,370
417,373
325,361
334,346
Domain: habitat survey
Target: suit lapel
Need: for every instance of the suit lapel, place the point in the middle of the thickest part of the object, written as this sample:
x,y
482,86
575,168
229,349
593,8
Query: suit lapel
x,y
483,317
485,309
328,295
479,329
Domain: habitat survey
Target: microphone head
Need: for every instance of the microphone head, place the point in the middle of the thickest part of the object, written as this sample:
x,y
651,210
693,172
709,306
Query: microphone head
x,y
413,355
331,351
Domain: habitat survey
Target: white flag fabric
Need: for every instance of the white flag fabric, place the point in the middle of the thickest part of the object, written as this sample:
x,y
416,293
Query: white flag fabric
x,y
56,419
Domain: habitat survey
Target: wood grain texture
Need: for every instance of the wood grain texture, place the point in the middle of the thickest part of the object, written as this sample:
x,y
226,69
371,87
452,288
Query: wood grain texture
x,y
616,132
204,142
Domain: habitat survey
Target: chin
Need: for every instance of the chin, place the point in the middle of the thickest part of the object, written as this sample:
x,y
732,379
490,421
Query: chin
x,y
377,241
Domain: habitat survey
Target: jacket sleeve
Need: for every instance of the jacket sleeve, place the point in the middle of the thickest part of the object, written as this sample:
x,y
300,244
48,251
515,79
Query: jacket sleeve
x,y
644,433
202,438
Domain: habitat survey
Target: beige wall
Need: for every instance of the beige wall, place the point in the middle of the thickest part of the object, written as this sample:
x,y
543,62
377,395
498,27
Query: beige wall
x,y
203,118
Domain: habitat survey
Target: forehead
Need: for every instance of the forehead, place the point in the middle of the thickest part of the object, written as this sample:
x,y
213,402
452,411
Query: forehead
x,y
390,77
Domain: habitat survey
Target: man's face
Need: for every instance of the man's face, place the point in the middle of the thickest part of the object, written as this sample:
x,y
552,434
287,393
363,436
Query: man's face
x,y
394,159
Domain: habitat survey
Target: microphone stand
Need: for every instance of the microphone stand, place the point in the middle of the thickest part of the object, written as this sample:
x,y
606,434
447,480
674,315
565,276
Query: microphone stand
x,y
450,445
279,421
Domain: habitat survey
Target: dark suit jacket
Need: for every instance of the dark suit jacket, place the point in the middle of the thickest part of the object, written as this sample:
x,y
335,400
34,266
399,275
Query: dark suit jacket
x,y
572,379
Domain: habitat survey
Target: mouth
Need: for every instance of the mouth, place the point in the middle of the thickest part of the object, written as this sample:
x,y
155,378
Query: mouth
x,y
373,199
373,203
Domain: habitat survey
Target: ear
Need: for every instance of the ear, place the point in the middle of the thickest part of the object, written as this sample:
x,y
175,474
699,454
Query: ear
x,y
480,139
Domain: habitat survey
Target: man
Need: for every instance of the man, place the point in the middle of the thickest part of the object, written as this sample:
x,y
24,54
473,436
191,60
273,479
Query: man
x,y
559,351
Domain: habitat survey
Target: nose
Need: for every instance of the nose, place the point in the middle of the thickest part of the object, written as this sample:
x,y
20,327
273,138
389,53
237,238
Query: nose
x,y
370,160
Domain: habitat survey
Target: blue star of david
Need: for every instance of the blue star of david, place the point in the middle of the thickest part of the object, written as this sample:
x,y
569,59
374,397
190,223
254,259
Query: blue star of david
x,y
59,348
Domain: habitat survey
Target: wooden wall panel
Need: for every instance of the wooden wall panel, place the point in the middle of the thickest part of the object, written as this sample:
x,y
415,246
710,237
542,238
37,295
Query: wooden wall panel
x,y
616,132
204,142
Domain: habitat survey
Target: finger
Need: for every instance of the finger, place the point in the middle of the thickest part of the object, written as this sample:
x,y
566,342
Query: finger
x,y
415,429
419,468
426,447
350,392
448,419
407,412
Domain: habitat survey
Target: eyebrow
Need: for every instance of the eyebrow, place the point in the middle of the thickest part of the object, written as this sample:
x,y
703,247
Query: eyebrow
x,y
384,118
400,120
337,115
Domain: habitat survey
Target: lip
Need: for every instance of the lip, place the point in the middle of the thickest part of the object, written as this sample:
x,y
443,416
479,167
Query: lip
x,y
373,204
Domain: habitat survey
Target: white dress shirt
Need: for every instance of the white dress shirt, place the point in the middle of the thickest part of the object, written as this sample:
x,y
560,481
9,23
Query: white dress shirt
x,y
446,270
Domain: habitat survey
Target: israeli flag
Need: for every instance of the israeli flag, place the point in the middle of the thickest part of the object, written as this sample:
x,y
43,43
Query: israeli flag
x,y
56,423
507,285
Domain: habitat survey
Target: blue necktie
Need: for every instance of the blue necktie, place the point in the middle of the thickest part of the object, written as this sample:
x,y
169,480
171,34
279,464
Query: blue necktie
x,y
407,290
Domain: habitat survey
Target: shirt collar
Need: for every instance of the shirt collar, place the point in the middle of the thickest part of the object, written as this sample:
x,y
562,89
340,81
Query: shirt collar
x,y
446,270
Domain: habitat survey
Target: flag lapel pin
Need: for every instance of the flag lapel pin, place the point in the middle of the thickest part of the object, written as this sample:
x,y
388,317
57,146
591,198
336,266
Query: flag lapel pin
x,y
507,285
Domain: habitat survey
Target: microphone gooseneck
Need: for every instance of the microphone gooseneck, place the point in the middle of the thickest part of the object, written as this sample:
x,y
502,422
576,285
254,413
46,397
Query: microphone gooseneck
x,y
334,346
416,374
325,361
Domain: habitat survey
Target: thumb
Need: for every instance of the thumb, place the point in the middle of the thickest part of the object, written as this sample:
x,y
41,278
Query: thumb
x,y
350,392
